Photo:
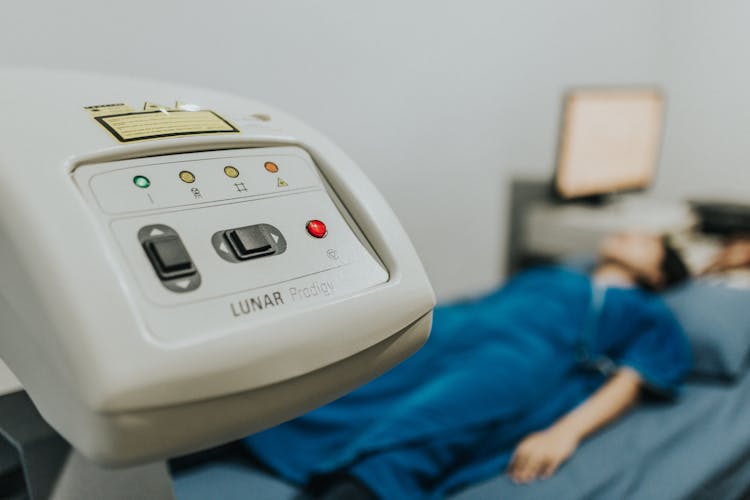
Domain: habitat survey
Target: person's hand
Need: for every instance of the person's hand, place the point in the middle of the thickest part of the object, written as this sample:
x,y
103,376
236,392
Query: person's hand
x,y
540,454
735,254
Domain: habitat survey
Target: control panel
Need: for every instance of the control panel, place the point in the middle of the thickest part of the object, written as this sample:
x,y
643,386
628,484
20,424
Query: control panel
x,y
204,258
207,240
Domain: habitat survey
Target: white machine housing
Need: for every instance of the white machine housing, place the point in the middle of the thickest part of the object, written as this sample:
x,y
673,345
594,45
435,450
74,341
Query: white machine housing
x,y
130,367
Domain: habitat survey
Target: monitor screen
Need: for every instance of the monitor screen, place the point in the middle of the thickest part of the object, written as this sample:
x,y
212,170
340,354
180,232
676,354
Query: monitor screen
x,y
610,141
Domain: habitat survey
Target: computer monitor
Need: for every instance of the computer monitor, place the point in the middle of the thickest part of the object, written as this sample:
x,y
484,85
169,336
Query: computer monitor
x,y
610,141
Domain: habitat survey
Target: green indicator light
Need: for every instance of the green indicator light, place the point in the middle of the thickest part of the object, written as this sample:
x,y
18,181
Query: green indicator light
x,y
141,181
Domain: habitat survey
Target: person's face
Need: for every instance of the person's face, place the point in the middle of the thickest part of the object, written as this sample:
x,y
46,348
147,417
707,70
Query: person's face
x,y
640,252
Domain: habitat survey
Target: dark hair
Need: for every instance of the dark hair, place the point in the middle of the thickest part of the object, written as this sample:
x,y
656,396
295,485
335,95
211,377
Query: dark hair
x,y
673,268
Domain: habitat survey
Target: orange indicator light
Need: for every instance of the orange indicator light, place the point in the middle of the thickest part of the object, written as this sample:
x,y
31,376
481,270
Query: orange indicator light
x,y
271,167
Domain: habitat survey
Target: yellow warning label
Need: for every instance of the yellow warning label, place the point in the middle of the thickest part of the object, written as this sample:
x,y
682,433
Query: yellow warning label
x,y
108,109
281,183
160,123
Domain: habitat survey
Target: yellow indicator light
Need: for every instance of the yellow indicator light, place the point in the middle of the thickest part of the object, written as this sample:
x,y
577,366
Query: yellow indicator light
x,y
186,176
231,171
271,167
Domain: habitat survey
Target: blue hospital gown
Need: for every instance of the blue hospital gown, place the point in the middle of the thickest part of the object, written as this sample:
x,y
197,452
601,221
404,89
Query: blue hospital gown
x,y
494,370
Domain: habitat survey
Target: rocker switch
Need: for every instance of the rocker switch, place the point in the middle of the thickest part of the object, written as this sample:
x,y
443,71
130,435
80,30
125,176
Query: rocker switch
x,y
249,242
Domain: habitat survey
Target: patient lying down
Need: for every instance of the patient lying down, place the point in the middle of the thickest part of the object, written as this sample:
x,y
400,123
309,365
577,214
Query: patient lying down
x,y
512,381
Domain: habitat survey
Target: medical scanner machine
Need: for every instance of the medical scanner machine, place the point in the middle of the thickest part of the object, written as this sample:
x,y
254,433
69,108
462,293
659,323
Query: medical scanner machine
x,y
180,267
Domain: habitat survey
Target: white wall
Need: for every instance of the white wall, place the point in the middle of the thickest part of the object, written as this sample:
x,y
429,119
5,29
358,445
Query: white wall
x,y
707,64
438,101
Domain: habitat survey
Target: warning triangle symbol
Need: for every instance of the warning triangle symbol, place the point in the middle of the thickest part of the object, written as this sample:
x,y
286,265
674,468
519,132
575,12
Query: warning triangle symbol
x,y
281,183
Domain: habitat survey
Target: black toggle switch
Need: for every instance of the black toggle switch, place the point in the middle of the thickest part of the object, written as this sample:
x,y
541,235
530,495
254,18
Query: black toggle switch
x,y
240,244
169,257
249,242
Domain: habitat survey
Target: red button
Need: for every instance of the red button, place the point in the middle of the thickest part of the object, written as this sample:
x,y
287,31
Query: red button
x,y
316,228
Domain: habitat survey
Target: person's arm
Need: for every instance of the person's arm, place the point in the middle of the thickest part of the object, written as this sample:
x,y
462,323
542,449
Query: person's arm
x,y
735,254
540,454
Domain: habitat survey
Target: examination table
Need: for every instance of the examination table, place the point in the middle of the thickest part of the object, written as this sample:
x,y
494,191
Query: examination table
x,y
698,447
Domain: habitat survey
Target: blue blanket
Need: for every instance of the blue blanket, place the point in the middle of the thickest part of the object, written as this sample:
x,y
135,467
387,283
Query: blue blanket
x,y
493,370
